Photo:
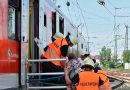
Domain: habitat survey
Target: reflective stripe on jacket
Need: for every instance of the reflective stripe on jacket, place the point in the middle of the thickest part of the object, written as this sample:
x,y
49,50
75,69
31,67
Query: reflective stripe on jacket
x,y
88,81
53,51
104,77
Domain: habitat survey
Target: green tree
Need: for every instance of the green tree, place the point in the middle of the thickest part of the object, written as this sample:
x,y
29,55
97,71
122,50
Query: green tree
x,y
108,54
105,56
126,56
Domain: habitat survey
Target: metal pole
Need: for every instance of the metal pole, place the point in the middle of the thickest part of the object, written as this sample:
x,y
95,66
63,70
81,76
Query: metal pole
x,y
41,74
49,87
88,46
115,48
46,60
126,38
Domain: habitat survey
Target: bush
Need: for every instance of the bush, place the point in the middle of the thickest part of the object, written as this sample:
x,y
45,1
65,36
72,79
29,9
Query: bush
x,y
111,65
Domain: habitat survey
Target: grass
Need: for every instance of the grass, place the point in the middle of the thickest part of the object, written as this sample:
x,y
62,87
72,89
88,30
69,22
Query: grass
x,y
121,69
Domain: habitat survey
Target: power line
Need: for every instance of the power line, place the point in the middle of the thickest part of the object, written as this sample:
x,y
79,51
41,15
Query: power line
x,y
77,12
69,11
111,4
122,16
95,15
69,14
83,17
74,10
109,11
125,7
113,31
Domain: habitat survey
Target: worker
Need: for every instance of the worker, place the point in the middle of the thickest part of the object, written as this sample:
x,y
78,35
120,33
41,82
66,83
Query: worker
x,y
56,35
85,80
87,55
82,55
74,65
104,77
81,58
58,50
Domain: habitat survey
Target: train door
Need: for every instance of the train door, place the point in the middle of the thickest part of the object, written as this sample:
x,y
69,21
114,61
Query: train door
x,y
33,32
9,43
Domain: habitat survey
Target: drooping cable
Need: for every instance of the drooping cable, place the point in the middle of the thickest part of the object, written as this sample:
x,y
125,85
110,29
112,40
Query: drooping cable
x,y
83,19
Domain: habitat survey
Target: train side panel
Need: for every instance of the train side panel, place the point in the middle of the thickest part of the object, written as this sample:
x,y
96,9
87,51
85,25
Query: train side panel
x,y
9,68
8,52
3,19
49,24
10,37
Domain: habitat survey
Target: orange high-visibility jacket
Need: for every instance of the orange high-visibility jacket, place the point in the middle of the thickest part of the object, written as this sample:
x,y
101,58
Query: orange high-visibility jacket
x,y
53,51
104,77
88,81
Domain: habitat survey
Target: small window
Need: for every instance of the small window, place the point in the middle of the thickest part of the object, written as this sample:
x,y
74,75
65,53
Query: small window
x,y
11,23
53,23
45,20
82,46
61,25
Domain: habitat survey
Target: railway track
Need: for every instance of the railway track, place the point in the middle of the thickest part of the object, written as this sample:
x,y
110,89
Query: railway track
x,y
119,81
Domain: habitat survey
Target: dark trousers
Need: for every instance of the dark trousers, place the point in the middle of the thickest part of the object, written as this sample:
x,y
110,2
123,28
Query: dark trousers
x,y
50,67
58,80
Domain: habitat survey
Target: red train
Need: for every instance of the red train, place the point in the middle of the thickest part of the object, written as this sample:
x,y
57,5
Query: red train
x,y
20,22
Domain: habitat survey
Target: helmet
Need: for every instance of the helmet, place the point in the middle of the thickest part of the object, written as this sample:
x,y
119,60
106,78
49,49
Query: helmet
x,y
74,40
88,62
58,35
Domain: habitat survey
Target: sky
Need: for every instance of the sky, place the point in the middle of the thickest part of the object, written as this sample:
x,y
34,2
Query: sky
x,y
99,21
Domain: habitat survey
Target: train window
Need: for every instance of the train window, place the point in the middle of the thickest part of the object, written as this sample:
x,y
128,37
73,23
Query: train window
x,y
82,46
53,23
61,25
11,22
45,20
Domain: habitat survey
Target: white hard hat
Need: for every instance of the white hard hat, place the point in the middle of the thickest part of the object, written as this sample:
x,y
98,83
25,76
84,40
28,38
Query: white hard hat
x,y
74,40
58,35
88,62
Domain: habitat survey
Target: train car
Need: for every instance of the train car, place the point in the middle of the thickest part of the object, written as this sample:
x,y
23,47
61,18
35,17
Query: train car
x,y
57,22
9,43
20,22
14,24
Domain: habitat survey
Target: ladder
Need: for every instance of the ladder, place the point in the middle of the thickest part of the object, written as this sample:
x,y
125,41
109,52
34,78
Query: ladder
x,y
28,74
